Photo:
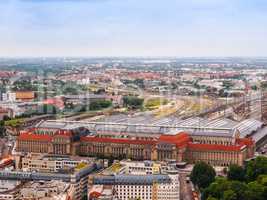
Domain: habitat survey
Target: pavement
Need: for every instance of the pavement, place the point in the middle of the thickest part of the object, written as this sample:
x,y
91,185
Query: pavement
x,y
185,188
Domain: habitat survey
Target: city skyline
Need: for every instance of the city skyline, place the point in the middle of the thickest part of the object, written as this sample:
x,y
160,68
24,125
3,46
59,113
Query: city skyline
x,y
91,28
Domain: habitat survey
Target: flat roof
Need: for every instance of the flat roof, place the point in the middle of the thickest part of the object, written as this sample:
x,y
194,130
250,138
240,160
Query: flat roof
x,y
131,179
58,125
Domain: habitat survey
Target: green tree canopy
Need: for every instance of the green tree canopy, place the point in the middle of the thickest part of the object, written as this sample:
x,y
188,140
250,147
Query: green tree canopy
x,y
98,105
229,195
24,85
2,127
212,198
256,191
133,102
239,188
256,167
249,183
202,175
236,172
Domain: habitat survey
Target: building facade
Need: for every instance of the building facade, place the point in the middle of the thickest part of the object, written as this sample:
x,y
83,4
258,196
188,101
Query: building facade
x,y
77,178
146,187
180,147
51,163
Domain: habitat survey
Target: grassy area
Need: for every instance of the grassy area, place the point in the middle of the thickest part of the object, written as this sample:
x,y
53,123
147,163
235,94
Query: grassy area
x,y
165,111
155,103
93,87
14,122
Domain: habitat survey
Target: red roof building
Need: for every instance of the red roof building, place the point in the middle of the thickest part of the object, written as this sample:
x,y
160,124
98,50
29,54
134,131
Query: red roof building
x,y
57,102
34,137
180,140
118,141
178,147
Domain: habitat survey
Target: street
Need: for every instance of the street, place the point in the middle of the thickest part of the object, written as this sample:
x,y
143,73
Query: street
x,y
185,188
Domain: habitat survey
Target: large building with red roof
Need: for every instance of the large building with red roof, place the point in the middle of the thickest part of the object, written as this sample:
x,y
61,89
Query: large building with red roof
x,y
180,146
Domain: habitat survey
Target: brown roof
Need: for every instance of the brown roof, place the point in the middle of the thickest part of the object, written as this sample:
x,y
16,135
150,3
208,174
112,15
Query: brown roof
x,y
25,95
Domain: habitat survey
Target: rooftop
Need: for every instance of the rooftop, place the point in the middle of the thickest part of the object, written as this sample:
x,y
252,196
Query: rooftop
x,y
30,136
180,139
115,140
57,125
131,179
51,157
214,147
8,185
45,189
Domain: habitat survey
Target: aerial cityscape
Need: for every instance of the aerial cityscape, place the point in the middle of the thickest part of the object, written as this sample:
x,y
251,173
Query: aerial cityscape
x,y
131,100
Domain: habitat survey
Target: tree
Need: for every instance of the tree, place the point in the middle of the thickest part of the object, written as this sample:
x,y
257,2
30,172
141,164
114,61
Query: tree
x,y
45,109
2,127
70,91
216,189
255,191
227,84
263,85
6,118
229,195
223,93
254,87
239,188
98,105
236,172
256,167
202,175
140,83
133,102
262,179
253,186
24,85
212,198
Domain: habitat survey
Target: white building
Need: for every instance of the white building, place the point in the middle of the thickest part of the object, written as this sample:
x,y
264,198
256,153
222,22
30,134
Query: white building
x,y
9,96
51,163
141,168
145,187
131,180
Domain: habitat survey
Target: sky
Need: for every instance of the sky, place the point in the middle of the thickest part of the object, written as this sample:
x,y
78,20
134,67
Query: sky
x,y
181,28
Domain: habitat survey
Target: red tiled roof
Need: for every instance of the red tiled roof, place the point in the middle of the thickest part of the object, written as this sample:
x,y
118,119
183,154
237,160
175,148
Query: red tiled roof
x,y
214,147
63,133
6,74
58,102
245,141
115,140
95,194
30,136
180,139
